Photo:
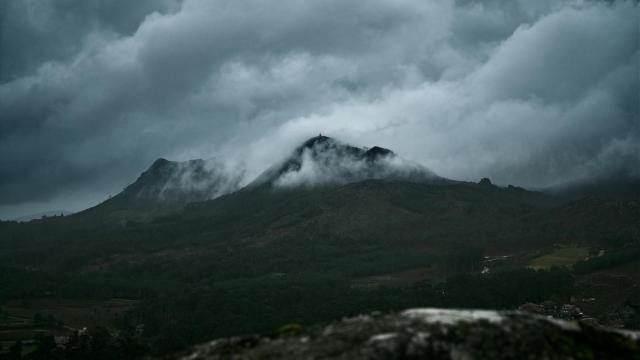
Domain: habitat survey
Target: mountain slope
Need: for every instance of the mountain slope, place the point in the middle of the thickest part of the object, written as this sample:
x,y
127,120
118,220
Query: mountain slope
x,y
374,211
166,186
182,182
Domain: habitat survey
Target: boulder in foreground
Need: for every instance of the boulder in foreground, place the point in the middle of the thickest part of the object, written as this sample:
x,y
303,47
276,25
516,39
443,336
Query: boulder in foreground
x,y
433,334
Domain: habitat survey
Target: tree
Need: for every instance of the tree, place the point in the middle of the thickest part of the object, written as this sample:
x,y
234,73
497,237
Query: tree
x,y
38,319
15,351
463,258
485,182
46,348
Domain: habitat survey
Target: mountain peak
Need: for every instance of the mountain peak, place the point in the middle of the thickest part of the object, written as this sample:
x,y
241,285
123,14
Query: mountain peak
x,y
160,162
322,160
317,140
376,152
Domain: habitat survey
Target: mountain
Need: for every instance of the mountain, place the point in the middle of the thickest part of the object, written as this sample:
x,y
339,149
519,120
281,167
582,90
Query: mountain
x,y
165,187
322,161
168,186
182,182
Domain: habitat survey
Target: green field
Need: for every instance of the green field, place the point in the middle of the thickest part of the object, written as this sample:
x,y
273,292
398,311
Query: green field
x,y
560,257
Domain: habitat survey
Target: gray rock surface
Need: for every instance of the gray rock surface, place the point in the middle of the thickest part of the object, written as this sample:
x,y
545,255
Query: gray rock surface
x,y
432,334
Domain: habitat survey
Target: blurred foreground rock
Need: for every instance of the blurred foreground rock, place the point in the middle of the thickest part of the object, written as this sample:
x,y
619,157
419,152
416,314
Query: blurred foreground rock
x,y
432,334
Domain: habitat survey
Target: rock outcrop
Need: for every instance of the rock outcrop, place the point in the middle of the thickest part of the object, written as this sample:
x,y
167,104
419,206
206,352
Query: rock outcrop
x,y
432,334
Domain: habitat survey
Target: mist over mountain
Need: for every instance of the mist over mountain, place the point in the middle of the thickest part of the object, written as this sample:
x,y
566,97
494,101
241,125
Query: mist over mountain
x,y
322,160
319,162
183,182
167,186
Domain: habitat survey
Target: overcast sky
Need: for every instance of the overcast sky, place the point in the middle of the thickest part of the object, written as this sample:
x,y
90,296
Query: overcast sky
x,y
531,93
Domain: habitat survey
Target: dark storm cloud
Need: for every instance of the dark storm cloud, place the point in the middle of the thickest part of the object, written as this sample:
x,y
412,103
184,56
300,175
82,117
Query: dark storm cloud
x,y
526,92
34,32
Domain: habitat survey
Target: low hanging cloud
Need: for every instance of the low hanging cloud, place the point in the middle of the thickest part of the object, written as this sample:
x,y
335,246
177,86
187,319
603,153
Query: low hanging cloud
x,y
187,181
330,168
322,161
533,93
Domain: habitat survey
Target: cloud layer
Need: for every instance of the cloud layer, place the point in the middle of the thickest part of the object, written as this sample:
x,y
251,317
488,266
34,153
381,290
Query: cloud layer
x,y
526,92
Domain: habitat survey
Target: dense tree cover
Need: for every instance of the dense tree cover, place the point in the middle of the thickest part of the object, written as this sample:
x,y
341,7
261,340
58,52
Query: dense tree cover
x,y
264,304
255,260
46,320
634,321
175,316
16,283
96,343
463,258
258,299
609,259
